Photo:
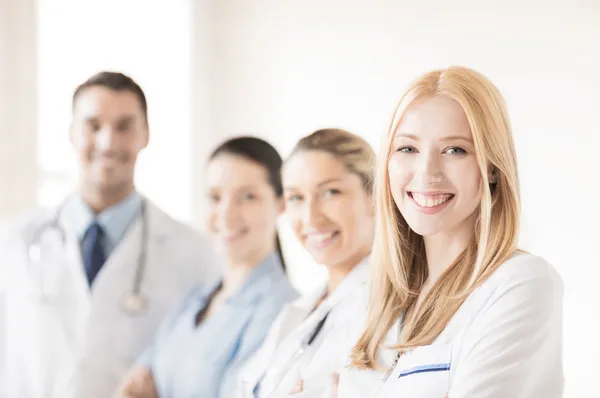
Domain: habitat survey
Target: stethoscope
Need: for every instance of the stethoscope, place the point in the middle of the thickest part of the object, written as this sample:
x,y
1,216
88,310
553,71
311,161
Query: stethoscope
x,y
394,364
295,358
134,303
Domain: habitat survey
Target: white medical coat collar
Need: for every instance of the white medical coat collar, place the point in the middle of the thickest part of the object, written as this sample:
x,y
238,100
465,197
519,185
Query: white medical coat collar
x,y
358,275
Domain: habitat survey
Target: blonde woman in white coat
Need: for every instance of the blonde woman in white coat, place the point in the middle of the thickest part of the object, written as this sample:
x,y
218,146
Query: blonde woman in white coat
x,y
455,308
327,187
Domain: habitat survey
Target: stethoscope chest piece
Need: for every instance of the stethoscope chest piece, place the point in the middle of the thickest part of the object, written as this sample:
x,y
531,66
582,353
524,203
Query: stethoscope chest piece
x,y
134,304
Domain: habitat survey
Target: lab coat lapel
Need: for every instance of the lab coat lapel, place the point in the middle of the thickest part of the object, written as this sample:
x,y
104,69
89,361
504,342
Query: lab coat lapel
x,y
295,313
77,279
118,273
304,306
349,285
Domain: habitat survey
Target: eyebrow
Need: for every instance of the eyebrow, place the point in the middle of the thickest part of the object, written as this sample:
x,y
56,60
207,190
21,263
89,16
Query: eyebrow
x,y
247,187
458,138
445,139
320,184
123,119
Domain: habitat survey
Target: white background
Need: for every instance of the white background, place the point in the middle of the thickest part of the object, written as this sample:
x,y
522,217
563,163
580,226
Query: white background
x,y
281,69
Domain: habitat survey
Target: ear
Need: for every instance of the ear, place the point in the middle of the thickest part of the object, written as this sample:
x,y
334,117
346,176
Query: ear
x,y
371,204
493,175
146,136
280,206
71,134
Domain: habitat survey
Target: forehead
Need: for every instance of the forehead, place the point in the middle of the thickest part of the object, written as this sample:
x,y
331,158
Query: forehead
x,y
435,118
310,168
105,103
232,171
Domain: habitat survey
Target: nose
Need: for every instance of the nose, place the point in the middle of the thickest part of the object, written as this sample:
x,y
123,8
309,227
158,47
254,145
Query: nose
x,y
105,139
430,169
311,213
227,212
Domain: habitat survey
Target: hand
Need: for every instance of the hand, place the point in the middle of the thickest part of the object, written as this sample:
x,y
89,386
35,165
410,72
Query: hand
x,y
298,388
139,383
335,382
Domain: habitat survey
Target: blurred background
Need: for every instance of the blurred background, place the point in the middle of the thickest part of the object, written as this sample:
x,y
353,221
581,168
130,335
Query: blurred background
x,y
280,69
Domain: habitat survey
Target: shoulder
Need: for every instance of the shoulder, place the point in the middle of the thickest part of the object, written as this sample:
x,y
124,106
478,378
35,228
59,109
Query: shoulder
x,y
284,289
280,292
526,270
187,246
169,225
526,287
21,227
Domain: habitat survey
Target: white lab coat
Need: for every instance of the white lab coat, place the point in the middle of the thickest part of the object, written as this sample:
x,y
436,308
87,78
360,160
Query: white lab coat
x,y
504,342
293,326
81,343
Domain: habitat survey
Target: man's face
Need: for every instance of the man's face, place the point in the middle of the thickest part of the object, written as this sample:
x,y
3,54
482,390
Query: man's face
x,y
108,131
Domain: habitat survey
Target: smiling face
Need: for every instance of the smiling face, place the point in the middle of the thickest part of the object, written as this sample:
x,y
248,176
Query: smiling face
x,y
434,176
243,208
108,131
330,211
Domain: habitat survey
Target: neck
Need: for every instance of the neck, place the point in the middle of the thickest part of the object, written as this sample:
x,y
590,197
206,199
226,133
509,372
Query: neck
x,y
442,249
237,272
338,273
100,200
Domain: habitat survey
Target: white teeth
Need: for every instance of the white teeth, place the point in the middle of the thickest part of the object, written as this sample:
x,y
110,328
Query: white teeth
x,y
431,201
320,238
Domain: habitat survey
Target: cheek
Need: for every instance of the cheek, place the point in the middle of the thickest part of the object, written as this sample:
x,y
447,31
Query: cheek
x,y
82,143
260,217
296,223
211,221
399,173
293,216
466,178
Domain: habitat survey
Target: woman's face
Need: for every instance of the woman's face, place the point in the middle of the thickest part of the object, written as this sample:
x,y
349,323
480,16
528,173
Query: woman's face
x,y
330,211
242,209
433,172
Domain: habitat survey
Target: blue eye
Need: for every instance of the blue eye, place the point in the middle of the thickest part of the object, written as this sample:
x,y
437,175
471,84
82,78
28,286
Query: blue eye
x,y
406,149
455,151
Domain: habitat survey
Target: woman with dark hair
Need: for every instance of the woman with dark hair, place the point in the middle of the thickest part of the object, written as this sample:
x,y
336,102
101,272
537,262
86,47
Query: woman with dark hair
x,y
205,340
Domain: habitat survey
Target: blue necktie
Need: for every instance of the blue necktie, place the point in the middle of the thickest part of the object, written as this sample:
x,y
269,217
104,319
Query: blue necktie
x,y
92,251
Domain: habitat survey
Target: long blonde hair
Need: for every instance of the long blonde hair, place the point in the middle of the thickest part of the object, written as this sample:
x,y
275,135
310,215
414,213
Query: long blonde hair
x,y
398,259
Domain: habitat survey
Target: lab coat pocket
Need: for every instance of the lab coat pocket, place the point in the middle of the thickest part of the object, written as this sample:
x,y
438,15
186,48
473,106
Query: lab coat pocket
x,y
425,372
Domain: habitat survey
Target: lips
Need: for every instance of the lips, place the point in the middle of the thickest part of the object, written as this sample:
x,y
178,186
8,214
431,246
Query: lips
x,y
430,200
232,236
320,240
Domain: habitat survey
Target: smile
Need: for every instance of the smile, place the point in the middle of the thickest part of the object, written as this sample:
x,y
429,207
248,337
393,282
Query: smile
x,y
321,240
430,203
232,237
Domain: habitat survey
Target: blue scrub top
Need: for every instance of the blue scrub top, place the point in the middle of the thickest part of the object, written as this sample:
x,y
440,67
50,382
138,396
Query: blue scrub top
x,y
204,361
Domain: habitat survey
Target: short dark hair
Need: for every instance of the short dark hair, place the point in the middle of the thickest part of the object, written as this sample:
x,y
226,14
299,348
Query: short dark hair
x,y
115,81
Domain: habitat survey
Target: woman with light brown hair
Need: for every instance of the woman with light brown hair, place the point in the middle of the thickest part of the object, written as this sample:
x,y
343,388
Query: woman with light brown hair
x,y
327,183
455,308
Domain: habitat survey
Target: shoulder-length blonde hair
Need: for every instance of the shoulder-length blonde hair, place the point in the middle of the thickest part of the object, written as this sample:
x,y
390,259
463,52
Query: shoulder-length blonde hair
x,y
398,259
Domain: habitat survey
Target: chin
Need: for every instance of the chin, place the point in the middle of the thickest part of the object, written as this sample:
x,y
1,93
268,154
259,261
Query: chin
x,y
425,229
323,258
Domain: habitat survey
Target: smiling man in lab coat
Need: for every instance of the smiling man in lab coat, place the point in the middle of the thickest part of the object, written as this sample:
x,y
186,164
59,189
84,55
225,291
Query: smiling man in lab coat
x,y
86,284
